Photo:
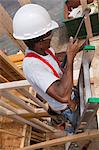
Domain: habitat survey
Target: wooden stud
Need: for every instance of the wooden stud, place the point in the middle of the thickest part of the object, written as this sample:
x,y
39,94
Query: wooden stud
x,y
23,134
28,135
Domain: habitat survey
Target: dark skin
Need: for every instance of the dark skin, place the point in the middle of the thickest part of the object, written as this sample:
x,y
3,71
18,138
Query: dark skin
x,y
72,4
62,88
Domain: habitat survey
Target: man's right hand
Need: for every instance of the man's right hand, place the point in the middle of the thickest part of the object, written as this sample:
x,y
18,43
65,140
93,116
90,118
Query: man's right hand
x,y
74,47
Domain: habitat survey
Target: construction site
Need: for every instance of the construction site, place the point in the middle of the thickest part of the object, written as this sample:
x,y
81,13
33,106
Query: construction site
x,y
25,123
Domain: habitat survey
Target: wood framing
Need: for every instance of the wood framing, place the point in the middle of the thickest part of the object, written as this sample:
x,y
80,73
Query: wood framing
x,y
14,85
24,121
6,64
24,136
63,140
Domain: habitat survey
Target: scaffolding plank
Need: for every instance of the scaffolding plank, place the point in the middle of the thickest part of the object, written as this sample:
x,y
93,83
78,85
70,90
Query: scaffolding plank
x,y
63,140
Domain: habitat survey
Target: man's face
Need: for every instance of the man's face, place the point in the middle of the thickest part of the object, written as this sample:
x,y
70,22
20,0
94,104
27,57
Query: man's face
x,y
46,39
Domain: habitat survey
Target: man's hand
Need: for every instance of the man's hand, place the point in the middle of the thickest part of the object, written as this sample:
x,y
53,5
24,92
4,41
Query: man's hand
x,y
74,47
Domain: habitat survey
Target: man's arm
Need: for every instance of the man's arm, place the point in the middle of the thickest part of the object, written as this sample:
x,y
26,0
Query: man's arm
x,y
61,89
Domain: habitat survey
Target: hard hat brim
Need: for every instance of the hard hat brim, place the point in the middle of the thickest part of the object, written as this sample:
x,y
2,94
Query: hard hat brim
x,y
54,25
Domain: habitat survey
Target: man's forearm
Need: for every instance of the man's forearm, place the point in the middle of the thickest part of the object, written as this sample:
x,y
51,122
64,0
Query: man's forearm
x,y
67,78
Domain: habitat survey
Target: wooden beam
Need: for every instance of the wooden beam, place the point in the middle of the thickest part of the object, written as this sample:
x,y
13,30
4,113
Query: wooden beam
x,y
24,136
42,124
40,139
28,100
6,22
29,123
2,79
36,100
28,115
63,140
11,65
22,120
24,83
14,85
26,93
23,2
17,101
35,121
87,20
38,134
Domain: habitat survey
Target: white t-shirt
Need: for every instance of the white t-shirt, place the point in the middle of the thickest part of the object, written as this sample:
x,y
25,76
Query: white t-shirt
x,y
40,76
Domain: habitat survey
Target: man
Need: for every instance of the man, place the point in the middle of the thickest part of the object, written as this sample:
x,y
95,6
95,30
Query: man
x,y
33,24
69,4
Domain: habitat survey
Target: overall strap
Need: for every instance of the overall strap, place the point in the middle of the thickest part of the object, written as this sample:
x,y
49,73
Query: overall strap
x,y
55,58
32,54
49,52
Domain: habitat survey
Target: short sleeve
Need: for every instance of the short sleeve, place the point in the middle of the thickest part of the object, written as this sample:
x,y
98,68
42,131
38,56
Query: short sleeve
x,y
42,77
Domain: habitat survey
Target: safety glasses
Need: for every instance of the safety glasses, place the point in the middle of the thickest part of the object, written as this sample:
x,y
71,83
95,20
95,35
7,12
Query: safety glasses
x,y
47,36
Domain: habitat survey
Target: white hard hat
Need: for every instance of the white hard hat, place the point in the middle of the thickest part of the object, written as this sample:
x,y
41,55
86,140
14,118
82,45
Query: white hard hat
x,y
32,21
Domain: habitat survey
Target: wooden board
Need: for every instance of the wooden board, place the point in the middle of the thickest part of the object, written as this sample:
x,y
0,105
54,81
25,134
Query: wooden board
x,y
6,24
9,70
79,137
